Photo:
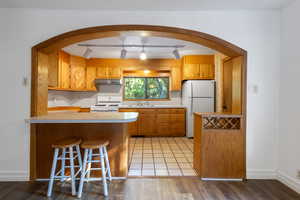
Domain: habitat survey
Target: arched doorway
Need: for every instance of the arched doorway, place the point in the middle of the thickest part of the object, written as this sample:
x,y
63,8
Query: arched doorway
x,y
40,74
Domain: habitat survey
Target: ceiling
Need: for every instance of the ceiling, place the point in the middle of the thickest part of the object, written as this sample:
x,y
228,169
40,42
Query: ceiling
x,y
146,4
134,52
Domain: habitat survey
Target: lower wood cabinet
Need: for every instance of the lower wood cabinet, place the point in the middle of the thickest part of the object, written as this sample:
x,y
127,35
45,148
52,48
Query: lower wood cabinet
x,y
157,122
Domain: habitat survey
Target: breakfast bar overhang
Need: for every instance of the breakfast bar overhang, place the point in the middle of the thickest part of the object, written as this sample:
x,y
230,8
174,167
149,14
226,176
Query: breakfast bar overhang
x,y
47,129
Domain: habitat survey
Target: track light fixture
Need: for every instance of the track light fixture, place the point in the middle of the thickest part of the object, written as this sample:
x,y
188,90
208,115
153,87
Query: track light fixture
x,y
143,55
176,54
123,53
87,53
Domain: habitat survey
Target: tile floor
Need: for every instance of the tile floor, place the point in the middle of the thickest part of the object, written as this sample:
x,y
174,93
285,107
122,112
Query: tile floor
x,y
161,156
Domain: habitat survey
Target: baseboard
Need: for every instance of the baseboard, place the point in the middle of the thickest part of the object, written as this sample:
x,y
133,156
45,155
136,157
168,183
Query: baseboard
x,y
291,182
261,174
14,176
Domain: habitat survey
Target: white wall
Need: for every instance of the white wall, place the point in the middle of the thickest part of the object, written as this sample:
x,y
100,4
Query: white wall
x,y
256,31
289,132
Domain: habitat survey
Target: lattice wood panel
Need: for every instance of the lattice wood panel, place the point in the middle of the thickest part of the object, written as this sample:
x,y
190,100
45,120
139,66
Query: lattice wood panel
x,y
221,123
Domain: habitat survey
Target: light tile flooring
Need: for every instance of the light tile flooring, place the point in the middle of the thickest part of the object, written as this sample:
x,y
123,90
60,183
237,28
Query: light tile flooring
x,y
161,156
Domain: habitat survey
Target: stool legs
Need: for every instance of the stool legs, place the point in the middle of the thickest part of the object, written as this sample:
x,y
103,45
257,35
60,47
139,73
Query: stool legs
x,y
86,168
103,171
52,175
63,162
90,158
61,174
107,163
79,157
83,172
72,171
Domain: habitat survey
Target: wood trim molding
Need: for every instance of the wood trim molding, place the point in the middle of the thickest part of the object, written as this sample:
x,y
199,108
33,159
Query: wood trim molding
x,y
79,35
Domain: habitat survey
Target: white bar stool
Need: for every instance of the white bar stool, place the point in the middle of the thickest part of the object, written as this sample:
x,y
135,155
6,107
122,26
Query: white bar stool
x,y
88,160
67,147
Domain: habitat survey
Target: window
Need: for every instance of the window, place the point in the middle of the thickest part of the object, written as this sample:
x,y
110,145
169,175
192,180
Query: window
x,y
146,88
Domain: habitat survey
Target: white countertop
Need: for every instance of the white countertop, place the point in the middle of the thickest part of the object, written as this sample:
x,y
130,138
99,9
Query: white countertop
x,y
82,117
152,106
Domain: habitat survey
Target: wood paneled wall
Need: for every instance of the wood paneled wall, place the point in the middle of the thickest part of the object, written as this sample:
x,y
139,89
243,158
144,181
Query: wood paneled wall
x,y
232,85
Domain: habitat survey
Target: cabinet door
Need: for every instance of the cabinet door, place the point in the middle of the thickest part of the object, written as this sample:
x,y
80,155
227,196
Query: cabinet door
x,y
191,71
90,77
64,70
53,69
163,124
177,123
133,126
102,72
78,72
114,72
147,122
207,71
176,78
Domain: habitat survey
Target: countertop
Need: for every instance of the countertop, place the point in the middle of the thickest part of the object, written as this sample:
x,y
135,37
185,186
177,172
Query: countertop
x,y
217,114
92,117
152,106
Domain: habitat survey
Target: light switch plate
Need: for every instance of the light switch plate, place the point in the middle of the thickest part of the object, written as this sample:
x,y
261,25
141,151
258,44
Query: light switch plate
x,y
25,81
298,174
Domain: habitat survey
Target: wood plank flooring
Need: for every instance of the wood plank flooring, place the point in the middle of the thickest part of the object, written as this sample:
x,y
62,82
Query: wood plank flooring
x,y
182,188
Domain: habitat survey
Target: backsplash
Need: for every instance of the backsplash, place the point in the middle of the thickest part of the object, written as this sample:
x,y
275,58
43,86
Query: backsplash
x,y
87,99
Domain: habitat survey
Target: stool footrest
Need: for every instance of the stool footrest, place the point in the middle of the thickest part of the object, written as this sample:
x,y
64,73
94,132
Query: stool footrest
x,y
61,158
93,161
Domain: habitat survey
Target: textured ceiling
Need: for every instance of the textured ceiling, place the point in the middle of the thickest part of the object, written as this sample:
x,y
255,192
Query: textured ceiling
x,y
146,4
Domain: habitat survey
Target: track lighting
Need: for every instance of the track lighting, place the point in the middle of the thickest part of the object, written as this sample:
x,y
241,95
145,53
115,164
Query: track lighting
x,y
143,55
176,54
87,53
123,53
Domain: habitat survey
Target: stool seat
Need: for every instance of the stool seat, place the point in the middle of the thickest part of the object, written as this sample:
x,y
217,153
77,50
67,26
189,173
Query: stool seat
x,y
94,144
68,142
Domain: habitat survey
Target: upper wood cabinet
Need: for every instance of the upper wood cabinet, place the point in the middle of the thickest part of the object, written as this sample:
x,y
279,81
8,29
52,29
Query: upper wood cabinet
x,y
91,73
78,72
105,68
70,73
176,78
191,71
114,72
198,67
64,73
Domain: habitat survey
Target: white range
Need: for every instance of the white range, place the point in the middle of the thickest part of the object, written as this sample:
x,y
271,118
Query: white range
x,y
107,104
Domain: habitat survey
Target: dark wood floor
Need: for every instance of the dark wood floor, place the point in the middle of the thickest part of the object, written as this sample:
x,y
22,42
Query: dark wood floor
x,y
156,189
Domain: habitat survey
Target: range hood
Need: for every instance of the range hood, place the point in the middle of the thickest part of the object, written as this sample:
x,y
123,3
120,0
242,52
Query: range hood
x,y
108,82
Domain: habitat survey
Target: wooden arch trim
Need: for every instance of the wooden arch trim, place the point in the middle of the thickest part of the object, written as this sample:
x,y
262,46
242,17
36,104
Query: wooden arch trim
x,y
90,33
79,35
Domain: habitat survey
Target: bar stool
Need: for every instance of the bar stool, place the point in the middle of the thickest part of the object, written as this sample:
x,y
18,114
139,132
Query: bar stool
x,y
89,147
67,147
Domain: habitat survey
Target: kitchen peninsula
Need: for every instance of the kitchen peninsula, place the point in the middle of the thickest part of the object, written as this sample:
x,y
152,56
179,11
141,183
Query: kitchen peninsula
x,y
46,129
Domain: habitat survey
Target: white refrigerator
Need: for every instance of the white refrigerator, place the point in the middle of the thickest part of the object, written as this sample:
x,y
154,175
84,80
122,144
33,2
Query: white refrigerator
x,y
197,96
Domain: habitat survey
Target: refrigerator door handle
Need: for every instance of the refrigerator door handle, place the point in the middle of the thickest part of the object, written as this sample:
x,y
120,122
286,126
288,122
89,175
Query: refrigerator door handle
x,y
191,99
192,106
